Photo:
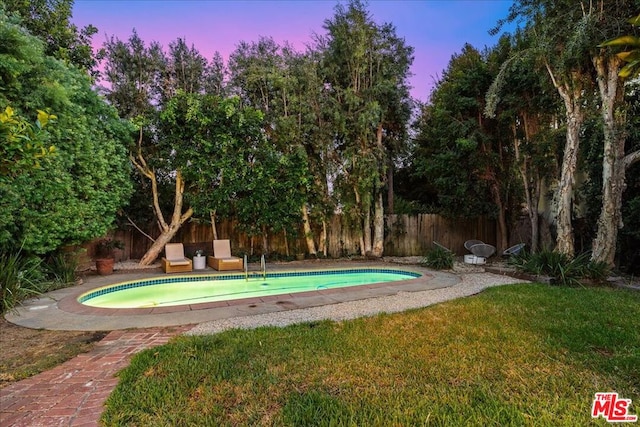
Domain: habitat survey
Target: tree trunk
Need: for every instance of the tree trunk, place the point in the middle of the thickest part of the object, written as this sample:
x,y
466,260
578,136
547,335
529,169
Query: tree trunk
x,y
158,246
214,230
613,168
390,192
571,95
366,228
286,243
167,231
502,238
323,239
564,195
364,222
265,241
377,246
530,177
378,228
308,234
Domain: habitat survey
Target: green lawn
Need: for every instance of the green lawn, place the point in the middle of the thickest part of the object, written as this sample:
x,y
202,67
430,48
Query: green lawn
x,y
527,354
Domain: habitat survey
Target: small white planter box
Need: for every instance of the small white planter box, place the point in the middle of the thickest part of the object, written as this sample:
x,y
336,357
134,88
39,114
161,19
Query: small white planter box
x,y
199,262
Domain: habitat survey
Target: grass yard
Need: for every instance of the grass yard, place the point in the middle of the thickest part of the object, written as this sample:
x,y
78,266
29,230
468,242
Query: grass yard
x,y
516,355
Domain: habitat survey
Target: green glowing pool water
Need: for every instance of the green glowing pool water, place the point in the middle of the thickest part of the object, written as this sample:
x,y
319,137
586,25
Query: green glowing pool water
x,y
200,289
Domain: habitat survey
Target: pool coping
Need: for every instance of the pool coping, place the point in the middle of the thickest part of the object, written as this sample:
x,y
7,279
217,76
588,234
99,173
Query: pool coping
x,y
60,310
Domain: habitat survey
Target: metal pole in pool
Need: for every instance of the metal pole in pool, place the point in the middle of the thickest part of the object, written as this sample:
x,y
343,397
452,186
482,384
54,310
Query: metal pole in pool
x,y
246,268
263,265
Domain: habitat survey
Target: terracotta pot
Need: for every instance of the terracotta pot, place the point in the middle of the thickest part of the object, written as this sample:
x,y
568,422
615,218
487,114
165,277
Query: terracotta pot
x,y
104,266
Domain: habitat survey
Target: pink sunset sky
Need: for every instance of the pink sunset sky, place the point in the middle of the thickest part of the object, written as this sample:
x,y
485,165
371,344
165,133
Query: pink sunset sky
x,y
436,29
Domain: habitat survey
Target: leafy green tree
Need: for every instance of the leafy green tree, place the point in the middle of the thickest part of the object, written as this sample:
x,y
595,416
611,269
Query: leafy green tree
x,y
23,146
556,31
134,73
73,196
163,95
366,68
467,157
185,69
49,20
523,101
214,77
286,87
271,193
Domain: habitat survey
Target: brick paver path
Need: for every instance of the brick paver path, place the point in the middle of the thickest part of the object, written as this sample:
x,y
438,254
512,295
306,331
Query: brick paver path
x,y
73,394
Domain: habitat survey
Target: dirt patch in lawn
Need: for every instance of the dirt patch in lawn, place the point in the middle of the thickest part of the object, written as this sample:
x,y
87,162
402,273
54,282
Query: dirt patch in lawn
x,y
26,352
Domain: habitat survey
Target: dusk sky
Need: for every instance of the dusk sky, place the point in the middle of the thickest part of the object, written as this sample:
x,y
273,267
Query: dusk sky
x,y
436,29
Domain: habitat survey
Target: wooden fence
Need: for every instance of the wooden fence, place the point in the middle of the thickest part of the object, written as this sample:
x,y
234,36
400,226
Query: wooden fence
x,y
405,235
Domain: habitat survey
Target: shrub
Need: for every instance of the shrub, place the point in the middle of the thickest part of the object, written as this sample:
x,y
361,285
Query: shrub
x,y
562,269
62,268
21,277
438,259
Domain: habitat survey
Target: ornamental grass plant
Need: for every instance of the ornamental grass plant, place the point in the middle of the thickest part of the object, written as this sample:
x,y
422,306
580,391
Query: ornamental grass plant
x,y
24,276
21,277
439,259
561,268
528,354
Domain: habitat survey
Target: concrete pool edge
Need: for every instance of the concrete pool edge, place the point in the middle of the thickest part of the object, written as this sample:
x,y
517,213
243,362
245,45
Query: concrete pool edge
x,y
60,310
187,292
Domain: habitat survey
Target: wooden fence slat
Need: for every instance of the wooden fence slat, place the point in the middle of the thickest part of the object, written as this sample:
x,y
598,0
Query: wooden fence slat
x,y
405,235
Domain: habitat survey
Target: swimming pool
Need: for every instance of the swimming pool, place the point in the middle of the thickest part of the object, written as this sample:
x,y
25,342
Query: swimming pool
x,y
186,290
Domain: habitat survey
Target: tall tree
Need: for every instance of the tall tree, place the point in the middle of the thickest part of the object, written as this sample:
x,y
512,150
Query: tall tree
x,y
463,154
49,20
285,86
605,20
134,72
524,101
557,39
366,70
184,69
75,195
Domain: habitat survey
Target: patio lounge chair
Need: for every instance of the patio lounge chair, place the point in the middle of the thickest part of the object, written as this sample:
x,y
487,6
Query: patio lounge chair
x,y
174,260
482,250
222,259
442,247
469,243
514,250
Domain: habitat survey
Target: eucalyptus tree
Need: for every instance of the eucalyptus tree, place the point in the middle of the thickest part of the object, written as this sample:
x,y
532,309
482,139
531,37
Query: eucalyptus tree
x,y
184,69
557,30
133,72
74,195
214,76
366,67
313,130
605,20
524,101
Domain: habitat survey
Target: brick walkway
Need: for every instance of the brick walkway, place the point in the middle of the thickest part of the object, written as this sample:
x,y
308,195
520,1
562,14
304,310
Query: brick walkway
x,y
73,394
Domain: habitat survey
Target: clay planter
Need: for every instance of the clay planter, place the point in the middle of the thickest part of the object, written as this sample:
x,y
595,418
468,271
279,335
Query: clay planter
x,y
104,266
